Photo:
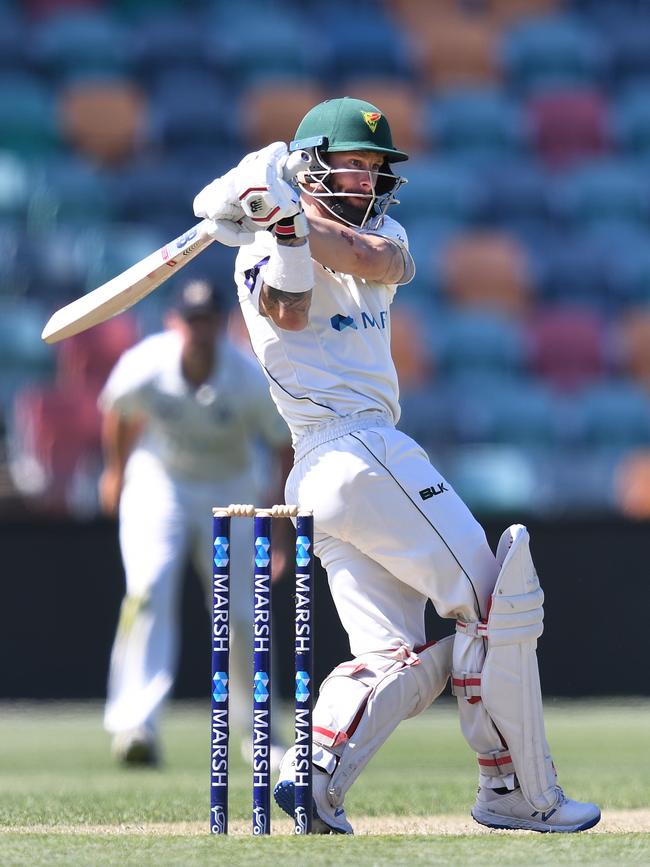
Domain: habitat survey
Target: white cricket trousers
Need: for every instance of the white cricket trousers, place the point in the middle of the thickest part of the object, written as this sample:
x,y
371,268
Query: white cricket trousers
x,y
163,522
391,532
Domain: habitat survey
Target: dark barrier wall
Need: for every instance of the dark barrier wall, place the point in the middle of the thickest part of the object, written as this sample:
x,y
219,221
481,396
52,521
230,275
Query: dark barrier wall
x,y
62,583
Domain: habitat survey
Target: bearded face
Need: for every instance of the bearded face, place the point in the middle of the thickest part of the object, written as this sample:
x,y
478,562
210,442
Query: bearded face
x,y
353,185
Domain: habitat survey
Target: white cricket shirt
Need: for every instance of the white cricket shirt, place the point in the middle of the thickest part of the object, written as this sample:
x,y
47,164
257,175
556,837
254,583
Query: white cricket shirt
x,y
341,363
205,434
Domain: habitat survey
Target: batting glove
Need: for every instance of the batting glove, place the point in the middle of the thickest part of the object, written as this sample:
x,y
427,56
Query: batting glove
x,y
254,193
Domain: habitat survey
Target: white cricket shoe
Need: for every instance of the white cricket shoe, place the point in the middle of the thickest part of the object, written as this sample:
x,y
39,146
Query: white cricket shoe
x,y
326,819
512,811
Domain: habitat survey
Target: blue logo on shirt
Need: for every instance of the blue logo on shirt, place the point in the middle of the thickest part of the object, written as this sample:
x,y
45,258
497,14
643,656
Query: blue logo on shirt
x,y
341,322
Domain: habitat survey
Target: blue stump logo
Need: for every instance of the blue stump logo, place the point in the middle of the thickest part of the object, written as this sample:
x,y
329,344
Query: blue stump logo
x,y
301,820
218,820
259,821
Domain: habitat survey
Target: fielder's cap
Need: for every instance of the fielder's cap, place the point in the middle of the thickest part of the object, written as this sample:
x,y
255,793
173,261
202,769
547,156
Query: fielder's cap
x,y
198,298
346,124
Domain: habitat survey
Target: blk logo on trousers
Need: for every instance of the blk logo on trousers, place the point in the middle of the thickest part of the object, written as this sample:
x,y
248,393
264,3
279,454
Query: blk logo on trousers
x,y
427,493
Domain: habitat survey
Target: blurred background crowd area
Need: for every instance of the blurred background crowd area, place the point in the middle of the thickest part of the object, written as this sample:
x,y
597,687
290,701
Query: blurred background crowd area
x,y
523,343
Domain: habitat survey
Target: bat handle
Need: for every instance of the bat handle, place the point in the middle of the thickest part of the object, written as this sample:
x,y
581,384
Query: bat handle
x,y
297,161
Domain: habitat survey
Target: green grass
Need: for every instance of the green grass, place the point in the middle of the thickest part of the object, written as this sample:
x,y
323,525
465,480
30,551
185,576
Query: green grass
x,y
64,802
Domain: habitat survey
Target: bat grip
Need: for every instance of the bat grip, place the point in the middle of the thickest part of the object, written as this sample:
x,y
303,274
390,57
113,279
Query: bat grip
x,y
297,161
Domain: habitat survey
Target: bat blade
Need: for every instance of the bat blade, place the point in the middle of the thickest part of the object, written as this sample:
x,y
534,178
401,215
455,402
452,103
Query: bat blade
x,y
129,287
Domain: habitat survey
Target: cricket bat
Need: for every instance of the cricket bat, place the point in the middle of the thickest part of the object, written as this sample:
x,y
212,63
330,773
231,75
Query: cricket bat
x,y
140,279
129,287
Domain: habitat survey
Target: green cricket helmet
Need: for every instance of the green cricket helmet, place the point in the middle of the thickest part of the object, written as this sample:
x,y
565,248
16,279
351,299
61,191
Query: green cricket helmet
x,y
343,125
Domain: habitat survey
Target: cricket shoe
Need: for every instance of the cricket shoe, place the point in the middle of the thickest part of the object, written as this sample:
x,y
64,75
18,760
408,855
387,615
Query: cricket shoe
x,y
136,747
326,819
512,811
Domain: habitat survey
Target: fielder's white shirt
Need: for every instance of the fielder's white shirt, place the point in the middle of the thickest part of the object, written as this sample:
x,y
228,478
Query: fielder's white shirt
x,y
205,434
341,363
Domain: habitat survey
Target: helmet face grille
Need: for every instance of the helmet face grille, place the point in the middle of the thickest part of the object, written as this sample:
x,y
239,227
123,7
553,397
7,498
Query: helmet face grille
x,y
348,125
337,203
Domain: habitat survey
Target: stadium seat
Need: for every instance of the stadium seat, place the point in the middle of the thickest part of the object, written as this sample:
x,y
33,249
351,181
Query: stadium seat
x,y
27,272
191,107
415,15
567,346
631,122
580,480
628,35
553,51
505,13
69,190
84,361
28,123
425,415
494,479
575,270
381,52
427,240
401,103
628,268
159,193
412,354
568,126
272,111
14,188
514,195
14,42
80,44
605,191
251,43
475,124
614,413
54,449
488,270
633,331
169,41
485,407
455,49
104,121
469,342
439,189
632,484
39,10
24,358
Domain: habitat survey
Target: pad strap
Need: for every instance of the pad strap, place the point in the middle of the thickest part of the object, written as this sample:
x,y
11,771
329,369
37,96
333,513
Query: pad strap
x,y
496,763
466,684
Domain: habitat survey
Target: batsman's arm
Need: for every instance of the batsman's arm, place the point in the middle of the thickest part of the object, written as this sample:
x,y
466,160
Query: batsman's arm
x,y
288,309
368,256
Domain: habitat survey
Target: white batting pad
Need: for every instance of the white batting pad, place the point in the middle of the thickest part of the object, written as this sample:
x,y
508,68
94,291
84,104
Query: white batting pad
x,y
510,687
362,702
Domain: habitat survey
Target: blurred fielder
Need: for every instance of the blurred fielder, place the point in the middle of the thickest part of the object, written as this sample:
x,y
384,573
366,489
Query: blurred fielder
x,y
183,410
391,532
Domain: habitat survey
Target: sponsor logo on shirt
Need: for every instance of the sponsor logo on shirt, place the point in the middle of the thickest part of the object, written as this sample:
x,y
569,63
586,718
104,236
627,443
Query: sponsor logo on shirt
x,y
339,322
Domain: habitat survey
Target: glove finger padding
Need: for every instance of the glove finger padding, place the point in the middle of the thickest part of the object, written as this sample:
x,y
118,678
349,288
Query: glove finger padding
x,y
254,192
264,194
219,200
231,234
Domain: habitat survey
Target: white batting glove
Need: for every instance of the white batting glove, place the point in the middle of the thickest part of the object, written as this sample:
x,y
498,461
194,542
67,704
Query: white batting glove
x,y
254,193
230,234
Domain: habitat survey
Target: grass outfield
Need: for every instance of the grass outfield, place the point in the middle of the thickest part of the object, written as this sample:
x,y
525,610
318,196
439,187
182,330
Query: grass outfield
x,y
63,801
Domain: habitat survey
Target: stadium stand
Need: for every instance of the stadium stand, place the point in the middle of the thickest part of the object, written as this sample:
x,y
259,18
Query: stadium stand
x,y
522,342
